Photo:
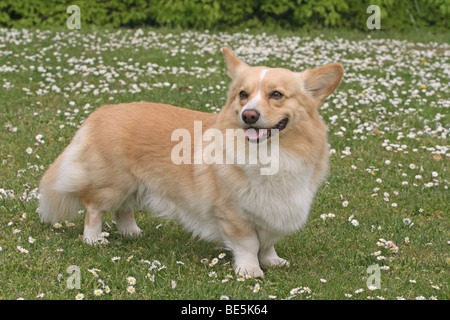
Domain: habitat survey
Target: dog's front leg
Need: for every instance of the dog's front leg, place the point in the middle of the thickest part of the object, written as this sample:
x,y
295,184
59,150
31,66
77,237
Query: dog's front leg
x,y
267,254
241,238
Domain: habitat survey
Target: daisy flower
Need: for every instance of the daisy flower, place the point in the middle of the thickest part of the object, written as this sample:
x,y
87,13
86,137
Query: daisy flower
x,y
94,271
224,297
256,288
222,255
359,290
114,259
29,150
323,280
131,281
57,225
31,240
294,291
413,281
79,296
173,284
345,203
355,222
348,295
131,289
23,250
436,287
98,292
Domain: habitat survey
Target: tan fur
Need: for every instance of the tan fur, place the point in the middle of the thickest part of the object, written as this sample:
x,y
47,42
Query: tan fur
x,y
120,160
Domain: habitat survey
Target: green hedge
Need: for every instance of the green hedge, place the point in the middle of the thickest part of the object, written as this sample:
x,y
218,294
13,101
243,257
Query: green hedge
x,y
398,15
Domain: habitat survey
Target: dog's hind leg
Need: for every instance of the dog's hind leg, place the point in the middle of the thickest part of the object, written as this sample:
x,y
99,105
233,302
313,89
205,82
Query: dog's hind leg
x,y
97,203
93,226
125,222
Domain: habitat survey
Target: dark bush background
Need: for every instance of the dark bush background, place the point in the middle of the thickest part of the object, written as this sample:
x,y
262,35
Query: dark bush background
x,y
398,15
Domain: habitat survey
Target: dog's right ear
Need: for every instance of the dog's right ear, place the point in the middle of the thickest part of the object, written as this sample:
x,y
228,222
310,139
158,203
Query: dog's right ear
x,y
234,64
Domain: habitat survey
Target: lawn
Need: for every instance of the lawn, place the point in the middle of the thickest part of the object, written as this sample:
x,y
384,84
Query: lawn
x,y
384,204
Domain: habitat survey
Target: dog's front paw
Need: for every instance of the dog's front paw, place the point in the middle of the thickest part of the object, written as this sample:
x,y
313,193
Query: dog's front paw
x,y
252,271
128,227
274,262
133,231
95,240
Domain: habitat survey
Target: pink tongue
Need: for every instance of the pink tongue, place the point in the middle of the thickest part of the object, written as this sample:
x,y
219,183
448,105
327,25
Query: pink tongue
x,y
253,134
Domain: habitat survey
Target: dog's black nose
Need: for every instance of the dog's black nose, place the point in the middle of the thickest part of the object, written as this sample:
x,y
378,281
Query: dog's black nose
x,y
250,116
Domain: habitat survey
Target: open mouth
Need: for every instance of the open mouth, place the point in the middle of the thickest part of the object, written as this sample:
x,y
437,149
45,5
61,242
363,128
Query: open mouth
x,y
257,135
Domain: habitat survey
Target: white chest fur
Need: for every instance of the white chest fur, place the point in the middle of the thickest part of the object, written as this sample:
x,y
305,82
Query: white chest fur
x,y
279,203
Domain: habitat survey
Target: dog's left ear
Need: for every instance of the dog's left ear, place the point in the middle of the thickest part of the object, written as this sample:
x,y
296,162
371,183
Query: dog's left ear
x,y
234,64
321,82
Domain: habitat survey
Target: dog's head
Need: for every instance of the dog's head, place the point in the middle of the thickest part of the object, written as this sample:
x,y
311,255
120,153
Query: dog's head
x,y
263,98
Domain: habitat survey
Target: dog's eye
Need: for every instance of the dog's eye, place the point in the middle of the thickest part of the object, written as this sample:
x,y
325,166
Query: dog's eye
x,y
277,95
243,95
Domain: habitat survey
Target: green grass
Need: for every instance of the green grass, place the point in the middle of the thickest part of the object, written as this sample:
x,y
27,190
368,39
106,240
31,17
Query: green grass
x,y
97,67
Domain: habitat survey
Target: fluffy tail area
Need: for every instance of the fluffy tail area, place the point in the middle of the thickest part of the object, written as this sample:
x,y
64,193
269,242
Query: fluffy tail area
x,y
58,200
56,206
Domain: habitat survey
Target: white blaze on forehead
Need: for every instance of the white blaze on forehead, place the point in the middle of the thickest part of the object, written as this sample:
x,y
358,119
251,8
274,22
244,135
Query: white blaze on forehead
x,y
252,104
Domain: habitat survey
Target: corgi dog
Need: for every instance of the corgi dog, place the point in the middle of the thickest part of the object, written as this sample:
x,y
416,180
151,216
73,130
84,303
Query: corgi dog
x,y
122,159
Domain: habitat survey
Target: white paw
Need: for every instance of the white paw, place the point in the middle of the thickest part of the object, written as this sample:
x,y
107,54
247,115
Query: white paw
x,y
128,228
274,262
95,240
252,271
134,231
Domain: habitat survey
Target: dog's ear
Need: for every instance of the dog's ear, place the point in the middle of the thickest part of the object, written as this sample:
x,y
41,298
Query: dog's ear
x,y
234,64
321,82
